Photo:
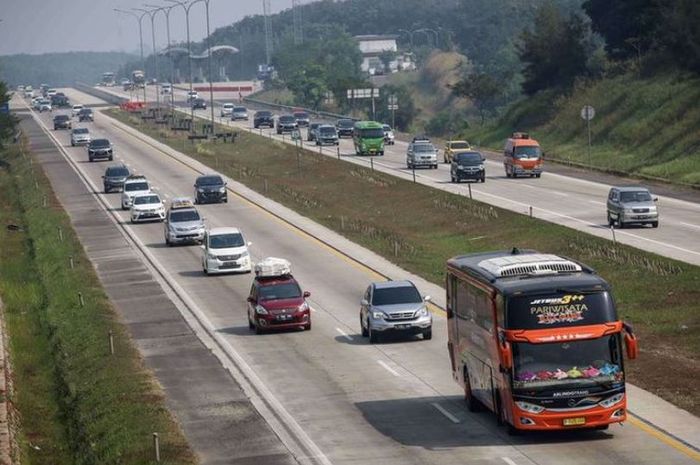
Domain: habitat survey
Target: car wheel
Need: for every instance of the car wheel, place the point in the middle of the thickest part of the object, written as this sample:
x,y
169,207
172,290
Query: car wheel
x,y
373,335
473,405
225,199
452,178
655,224
363,329
428,334
507,174
483,179
538,175
167,241
72,144
111,157
258,330
435,166
251,326
601,427
307,326
611,222
91,159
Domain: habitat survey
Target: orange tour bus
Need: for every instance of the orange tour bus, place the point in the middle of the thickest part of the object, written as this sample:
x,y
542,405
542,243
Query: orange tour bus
x,y
536,339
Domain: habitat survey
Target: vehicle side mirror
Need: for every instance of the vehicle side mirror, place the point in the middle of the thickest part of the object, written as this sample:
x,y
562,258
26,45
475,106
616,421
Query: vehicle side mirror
x,y
103,176
307,294
202,247
427,298
543,154
656,199
631,345
364,302
505,353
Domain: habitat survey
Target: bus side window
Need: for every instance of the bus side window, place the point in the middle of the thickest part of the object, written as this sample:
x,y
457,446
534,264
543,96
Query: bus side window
x,y
500,311
484,310
450,287
462,305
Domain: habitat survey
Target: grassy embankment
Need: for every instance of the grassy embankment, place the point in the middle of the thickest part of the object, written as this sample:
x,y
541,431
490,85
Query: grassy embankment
x,y
645,127
426,226
77,403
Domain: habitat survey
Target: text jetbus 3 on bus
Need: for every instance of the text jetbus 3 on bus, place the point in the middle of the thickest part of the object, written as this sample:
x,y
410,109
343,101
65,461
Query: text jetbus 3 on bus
x,y
536,339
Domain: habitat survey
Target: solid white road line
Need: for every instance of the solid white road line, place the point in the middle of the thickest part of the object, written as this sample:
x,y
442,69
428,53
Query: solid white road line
x,y
344,334
449,416
691,225
508,460
596,202
388,368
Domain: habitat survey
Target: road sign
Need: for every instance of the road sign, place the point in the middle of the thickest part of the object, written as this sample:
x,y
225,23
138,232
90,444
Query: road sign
x,y
296,135
393,107
587,112
362,93
393,100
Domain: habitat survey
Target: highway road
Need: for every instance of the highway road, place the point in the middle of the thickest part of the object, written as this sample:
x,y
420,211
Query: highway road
x,y
568,201
392,403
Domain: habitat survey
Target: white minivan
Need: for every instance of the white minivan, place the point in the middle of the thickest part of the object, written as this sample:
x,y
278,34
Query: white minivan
x,y
226,109
225,250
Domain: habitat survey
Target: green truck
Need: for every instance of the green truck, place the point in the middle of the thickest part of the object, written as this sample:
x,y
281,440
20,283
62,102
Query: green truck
x,y
368,137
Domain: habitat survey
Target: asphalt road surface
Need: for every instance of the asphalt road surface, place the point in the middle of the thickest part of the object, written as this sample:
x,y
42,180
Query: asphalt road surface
x,y
392,403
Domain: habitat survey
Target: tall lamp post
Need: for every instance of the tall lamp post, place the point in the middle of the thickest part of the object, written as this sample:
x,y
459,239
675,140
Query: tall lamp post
x,y
139,19
152,15
185,6
166,11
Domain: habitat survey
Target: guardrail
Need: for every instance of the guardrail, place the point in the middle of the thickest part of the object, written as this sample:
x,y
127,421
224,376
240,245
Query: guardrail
x,y
101,94
290,108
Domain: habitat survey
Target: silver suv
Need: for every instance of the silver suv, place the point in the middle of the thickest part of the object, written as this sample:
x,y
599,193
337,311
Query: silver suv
x,y
632,205
394,306
421,153
183,223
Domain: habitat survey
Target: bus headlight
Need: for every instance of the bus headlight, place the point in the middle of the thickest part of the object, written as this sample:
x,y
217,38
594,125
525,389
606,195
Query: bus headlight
x,y
528,407
610,401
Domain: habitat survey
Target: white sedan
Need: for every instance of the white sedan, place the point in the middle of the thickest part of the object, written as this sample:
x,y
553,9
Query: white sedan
x,y
225,251
147,207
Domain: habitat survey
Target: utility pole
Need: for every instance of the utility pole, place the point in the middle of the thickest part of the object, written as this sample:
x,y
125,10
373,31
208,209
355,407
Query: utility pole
x,y
298,22
268,31
187,7
152,14
166,10
139,19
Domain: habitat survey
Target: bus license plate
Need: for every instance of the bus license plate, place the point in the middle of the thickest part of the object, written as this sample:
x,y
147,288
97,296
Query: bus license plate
x,y
574,421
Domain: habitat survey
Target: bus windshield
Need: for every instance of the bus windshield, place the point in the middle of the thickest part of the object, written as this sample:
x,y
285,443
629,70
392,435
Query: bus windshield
x,y
374,133
571,364
557,310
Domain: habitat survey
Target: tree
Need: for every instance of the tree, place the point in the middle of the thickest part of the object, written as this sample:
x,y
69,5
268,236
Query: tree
x,y
555,52
681,35
628,26
407,109
7,121
483,91
386,57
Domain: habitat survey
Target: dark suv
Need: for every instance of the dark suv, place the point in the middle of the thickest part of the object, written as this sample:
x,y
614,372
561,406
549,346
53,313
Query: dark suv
x,y
210,188
86,114
277,303
467,165
199,104
286,123
263,118
302,118
114,178
100,148
345,127
62,122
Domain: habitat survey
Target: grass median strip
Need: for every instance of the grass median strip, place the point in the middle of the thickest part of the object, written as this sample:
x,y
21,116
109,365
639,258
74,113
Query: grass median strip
x,y
418,228
77,403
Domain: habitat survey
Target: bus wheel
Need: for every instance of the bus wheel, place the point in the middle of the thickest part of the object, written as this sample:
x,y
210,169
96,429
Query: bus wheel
x,y
473,405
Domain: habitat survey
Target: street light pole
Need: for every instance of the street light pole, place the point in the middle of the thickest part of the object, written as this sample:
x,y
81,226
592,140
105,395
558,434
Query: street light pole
x,y
211,85
166,10
187,7
139,19
152,15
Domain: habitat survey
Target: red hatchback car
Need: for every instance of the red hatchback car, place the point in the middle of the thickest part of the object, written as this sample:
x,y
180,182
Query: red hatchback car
x,y
277,302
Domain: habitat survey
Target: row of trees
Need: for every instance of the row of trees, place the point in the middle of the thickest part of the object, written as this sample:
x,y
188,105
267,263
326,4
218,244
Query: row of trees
x,y
7,121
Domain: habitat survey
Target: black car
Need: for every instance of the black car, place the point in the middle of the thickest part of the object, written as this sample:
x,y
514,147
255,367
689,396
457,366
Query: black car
x,y
263,118
199,104
210,188
286,123
327,134
302,118
468,165
114,178
60,101
345,127
100,148
62,122
86,114
311,132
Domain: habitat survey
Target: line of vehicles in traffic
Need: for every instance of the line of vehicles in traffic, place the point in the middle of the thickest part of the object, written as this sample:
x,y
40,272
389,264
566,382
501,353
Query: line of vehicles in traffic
x,y
534,338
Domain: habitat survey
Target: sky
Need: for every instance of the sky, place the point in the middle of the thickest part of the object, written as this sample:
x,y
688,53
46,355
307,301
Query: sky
x,y
42,26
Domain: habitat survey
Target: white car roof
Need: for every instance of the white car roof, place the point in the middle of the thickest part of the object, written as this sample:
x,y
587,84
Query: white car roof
x,y
224,230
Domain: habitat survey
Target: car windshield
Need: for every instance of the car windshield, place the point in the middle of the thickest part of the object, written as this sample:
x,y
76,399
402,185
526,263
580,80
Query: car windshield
x,y
225,241
386,128
374,133
263,114
184,215
470,158
345,123
86,111
327,131
136,186
81,131
527,151
209,181
61,117
240,109
77,107
117,172
396,295
146,199
635,196
287,119
301,115
99,143
571,364
279,291
424,148
459,145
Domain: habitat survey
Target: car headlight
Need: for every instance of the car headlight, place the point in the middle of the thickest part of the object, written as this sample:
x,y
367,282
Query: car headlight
x,y
528,407
378,315
422,312
628,210
260,310
222,190
610,401
303,307
481,167
244,254
212,256
199,189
